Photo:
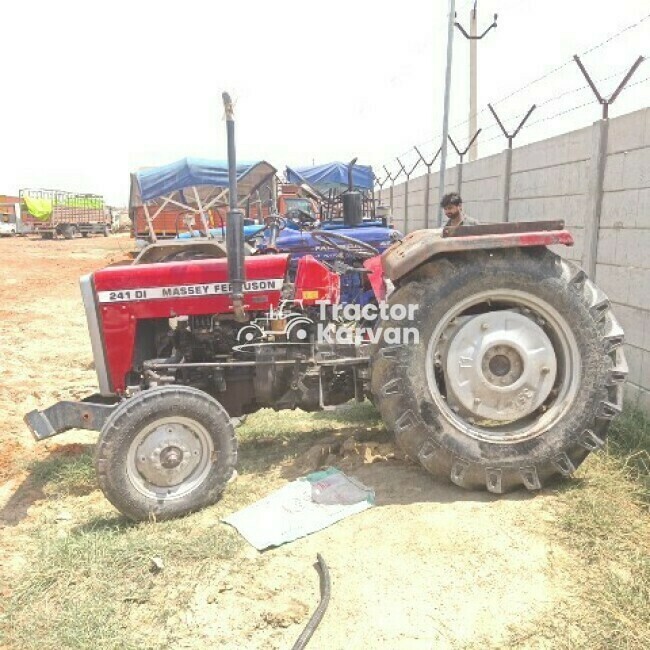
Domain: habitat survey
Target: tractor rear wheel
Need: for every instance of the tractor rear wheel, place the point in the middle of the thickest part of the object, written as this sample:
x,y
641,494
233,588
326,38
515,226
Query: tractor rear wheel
x,y
516,375
166,452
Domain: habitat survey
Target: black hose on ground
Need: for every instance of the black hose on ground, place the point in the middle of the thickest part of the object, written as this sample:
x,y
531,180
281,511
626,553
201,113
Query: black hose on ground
x,y
317,616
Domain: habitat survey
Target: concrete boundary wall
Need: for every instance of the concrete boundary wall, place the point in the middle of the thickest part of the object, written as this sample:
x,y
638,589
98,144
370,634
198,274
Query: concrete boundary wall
x,y
598,180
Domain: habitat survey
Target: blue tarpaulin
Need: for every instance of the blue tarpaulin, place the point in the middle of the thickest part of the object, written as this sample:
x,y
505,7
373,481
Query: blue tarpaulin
x,y
191,172
332,176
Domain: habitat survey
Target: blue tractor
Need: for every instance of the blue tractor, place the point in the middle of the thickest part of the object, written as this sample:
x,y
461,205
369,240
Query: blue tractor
x,y
344,234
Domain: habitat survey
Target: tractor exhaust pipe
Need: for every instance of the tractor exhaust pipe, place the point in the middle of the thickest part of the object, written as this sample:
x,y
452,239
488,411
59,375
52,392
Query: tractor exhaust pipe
x,y
235,225
352,213
351,165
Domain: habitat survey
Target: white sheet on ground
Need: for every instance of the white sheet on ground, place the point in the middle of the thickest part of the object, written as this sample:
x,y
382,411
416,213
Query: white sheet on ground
x,y
291,512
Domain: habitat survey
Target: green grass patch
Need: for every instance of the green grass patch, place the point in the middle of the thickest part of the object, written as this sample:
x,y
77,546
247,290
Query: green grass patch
x,y
92,585
96,586
294,424
63,474
269,438
603,522
629,443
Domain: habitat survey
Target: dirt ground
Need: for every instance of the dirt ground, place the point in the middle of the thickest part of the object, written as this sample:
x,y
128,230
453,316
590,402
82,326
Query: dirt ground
x,y
431,566
44,348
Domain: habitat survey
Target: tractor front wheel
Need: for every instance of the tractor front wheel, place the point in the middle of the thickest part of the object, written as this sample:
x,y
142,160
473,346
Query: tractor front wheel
x,y
516,372
166,452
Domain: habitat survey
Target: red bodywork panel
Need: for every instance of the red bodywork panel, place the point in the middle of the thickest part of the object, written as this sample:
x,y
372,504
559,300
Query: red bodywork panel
x,y
315,283
376,276
127,294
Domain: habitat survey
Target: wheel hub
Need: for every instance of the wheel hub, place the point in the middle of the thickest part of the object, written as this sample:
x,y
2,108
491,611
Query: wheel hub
x,y
500,365
168,454
171,457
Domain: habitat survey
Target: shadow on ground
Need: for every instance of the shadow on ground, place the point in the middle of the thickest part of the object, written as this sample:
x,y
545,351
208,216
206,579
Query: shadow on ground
x,y
395,480
65,469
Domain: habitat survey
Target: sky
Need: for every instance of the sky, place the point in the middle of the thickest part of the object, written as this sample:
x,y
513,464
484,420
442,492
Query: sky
x,y
96,90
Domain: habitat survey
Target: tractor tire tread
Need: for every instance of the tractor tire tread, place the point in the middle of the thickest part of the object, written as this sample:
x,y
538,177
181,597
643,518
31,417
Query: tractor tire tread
x,y
117,432
415,423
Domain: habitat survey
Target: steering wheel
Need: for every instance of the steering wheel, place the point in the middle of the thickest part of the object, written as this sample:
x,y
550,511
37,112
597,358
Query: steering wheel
x,y
301,218
344,244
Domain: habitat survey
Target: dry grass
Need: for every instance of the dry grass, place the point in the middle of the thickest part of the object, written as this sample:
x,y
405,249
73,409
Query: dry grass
x,y
90,582
603,522
96,584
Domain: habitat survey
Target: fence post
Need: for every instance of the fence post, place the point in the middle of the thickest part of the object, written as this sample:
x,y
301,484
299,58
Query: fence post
x,y
507,158
599,134
506,174
598,158
390,177
461,155
406,195
427,191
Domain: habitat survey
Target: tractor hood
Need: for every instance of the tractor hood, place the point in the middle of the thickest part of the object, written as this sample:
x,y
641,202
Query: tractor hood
x,y
119,297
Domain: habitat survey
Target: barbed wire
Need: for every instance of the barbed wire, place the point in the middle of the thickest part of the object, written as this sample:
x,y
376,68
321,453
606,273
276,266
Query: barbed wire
x,y
550,100
548,74
570,61
558,113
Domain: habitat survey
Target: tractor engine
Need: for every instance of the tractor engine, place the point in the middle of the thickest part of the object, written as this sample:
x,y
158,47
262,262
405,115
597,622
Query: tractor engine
x,y
174,324
251,365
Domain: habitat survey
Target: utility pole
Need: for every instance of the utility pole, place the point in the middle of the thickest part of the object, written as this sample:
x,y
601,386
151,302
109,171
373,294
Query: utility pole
x,y
473,37
445,117
473,90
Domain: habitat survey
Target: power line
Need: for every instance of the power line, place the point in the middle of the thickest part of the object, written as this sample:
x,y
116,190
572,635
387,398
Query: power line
x,y
515,116
570,61
545,76
611,38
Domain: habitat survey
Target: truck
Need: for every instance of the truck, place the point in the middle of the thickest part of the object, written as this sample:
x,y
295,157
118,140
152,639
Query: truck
x,y
65,214
13,220
200,203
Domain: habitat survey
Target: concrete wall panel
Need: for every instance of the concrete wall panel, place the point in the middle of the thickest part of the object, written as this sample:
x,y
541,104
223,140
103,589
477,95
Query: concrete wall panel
x,y
562,149
552,179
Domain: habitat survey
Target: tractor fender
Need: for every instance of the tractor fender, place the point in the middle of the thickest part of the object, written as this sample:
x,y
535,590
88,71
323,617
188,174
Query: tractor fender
x,y
421,246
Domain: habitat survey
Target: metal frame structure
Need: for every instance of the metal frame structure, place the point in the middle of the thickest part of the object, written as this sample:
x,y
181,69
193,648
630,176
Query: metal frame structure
x,y
218,197
607,102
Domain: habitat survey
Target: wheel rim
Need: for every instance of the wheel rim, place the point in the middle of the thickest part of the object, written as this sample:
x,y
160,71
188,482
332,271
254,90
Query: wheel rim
x,y
170,458
503,366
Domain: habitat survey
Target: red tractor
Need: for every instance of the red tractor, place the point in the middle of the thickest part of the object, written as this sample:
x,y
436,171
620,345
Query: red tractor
x,y
494,362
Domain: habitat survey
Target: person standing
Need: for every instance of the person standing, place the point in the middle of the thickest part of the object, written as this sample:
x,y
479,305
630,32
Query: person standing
x,y
452,204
